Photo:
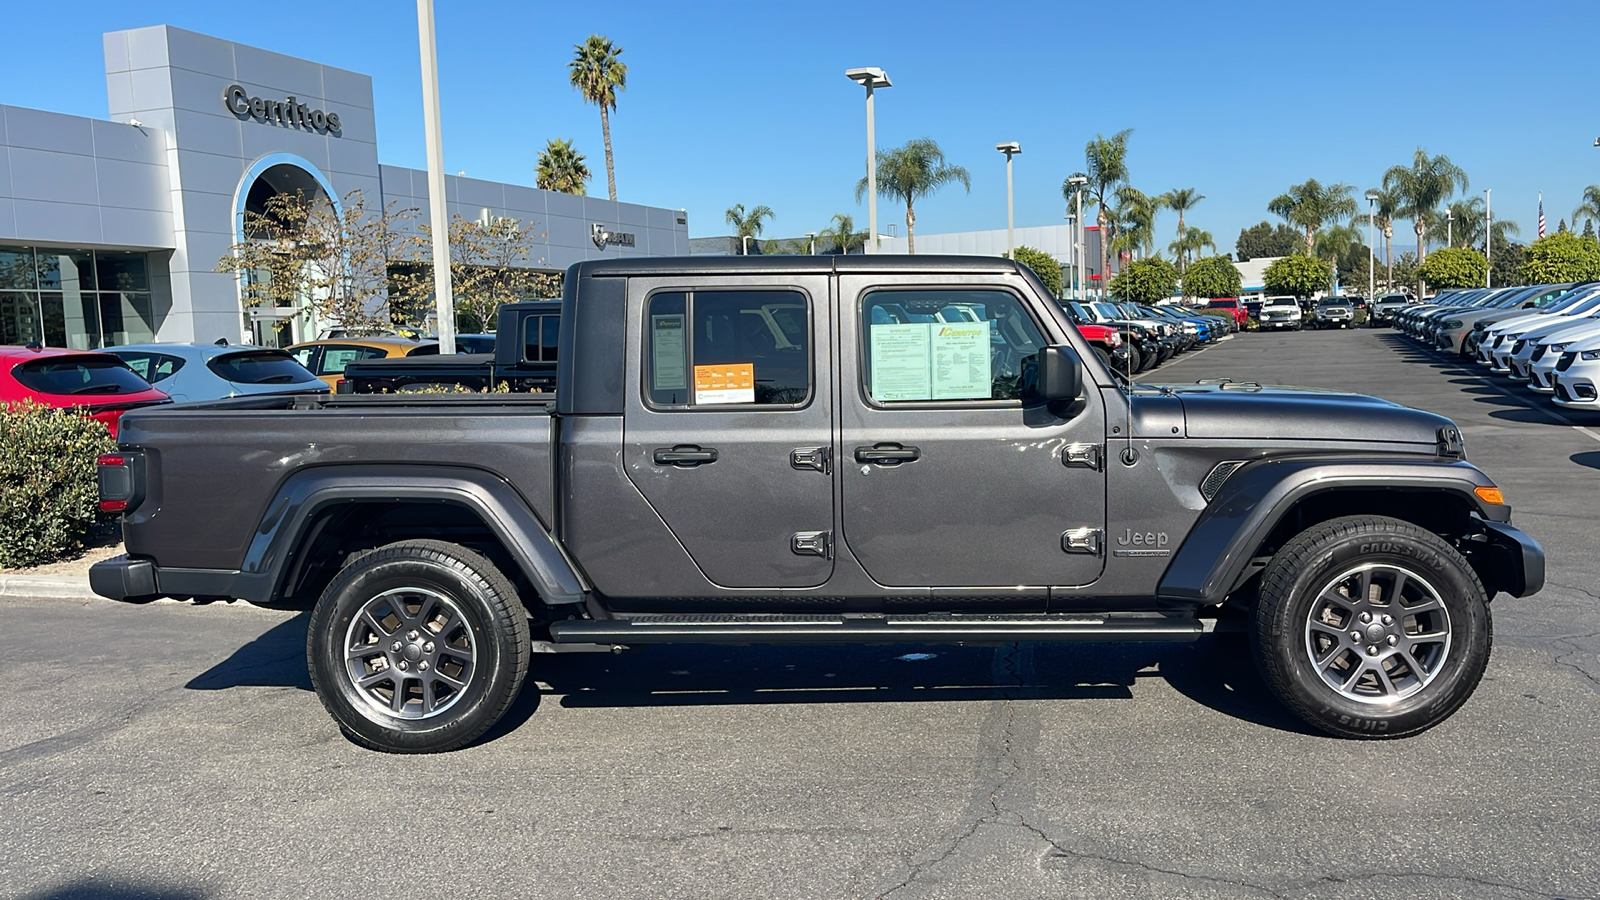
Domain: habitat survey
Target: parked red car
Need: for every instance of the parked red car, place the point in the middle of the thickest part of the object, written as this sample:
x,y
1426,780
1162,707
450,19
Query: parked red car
x,y
98,383
1241,314
1107,340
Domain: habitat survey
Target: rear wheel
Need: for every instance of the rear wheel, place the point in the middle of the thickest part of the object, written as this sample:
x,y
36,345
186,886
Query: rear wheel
x,y
1370,627
418,647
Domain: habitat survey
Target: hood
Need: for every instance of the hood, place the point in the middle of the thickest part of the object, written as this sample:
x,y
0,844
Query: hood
x,y
1247,411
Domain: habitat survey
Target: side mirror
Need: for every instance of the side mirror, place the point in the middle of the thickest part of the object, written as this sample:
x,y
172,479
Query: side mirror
x,y
1060,375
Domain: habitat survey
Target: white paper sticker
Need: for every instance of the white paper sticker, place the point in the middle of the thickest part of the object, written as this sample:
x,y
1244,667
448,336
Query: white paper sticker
x,y
900,362
668,353
961,361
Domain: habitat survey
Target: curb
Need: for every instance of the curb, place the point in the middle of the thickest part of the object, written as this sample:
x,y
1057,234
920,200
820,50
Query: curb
x,y
56,587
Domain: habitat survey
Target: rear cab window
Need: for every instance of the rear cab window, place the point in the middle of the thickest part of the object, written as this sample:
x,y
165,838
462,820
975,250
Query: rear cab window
x,y
728,348
72,375
539,338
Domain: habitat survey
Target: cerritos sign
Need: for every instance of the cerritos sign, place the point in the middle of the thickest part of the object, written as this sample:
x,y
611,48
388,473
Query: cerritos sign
x,y
288,111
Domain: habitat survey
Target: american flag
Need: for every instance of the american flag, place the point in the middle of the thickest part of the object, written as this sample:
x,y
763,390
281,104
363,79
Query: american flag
x,y
1541,214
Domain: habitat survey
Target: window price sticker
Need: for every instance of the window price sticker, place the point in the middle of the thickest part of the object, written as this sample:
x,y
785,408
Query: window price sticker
x,y
726,383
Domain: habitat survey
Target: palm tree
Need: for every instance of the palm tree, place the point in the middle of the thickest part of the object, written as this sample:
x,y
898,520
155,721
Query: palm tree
x,y
1501,229
599,76
561,168
1313,205
1180,200
1384,209
747,224
1590,207
915,170
1465,219
1193,240
1136,218
1422,187
1106,166
842,231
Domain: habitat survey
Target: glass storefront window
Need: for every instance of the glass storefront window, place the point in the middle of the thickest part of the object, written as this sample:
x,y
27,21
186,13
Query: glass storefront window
x,y
65,270
125,318
55,320
121,271
16,269
19,317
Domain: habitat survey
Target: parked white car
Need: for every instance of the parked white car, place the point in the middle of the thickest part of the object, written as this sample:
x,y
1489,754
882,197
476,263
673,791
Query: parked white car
x,y
1555,333
1577,375
1497,346
1280,312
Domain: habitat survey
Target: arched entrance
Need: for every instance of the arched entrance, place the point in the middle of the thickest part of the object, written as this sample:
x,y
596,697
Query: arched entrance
x,y
270,176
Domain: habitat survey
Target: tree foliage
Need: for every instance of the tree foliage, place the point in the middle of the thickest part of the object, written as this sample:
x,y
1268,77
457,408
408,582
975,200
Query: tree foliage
x,y
1312,205
1264,241
48,492
561,168
1429,181
1044,265
1299,275
599,76
1559,257
841,233
1105,162
491,265
334,262
1146,280
1454,267
915,170
1507,264
748,224
1212,276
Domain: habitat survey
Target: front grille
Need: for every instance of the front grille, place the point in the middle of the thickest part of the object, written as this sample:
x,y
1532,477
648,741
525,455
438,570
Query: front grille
x,y
1517,347
1584,391
1561,392
1567,359
1538,352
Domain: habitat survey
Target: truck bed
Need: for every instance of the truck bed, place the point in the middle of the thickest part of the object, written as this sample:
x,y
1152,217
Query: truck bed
x,y
225,460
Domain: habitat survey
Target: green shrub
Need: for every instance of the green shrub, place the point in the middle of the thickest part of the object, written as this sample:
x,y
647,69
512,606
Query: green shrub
x,y
49,498
1044,265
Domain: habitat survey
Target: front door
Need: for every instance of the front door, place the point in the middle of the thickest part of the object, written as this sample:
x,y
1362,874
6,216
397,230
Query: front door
x,y
950,476
728,436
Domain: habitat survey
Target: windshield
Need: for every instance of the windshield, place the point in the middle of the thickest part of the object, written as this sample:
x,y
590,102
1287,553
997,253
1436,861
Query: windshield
x,y
1331,301
1564,298
259,367
1222,304
80,375
1282,301
1106,310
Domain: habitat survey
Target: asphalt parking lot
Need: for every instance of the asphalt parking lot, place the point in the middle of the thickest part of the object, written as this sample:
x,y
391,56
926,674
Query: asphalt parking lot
x,y
176,751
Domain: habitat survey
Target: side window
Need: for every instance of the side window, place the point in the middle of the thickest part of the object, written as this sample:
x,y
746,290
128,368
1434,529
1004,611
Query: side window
x,y
163,367
947,345
539,338
304,354
139,362
719,348
336,356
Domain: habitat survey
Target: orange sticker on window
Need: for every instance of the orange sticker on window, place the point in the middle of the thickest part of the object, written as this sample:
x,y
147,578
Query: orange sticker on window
x,y
726,383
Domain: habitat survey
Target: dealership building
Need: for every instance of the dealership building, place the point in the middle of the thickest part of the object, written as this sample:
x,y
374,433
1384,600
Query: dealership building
x,y
111,229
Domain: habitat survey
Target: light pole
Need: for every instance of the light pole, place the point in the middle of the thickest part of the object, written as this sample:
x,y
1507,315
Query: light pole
x,y
1372,254
811,241
869,77
438,213
1488,234
1449,228
745,238
1078,181
1072,228
1010,149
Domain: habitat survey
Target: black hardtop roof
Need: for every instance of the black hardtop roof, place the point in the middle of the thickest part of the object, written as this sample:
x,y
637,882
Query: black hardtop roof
x,y
740,265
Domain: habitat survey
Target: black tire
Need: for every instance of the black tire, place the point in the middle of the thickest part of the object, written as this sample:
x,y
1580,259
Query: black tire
x,y
1425,679
474,647
1105,357
1135,363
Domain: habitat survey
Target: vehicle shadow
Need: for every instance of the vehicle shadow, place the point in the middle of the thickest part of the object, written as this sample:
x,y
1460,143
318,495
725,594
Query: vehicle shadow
x,y
1213,671
1590,458
117,889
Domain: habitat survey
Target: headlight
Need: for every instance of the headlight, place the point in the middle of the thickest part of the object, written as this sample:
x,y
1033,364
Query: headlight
x,y
1590,354
1558,348
1116,339
1453,323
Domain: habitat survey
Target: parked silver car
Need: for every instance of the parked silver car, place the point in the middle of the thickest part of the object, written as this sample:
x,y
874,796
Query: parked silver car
x,y
1333,312
214,371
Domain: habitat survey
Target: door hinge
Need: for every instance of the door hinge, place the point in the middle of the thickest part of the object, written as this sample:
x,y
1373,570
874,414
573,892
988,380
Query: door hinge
x,y
1082,540
819,458
812,543
1082,456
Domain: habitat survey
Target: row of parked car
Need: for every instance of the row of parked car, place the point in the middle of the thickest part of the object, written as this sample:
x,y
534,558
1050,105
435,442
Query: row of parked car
x,y
1544,336
1145,336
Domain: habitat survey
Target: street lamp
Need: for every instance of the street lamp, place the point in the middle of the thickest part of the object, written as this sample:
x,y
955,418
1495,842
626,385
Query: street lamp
x,y
1072,228
1488,233
1449,228
811,241
444,301
1010,149
1372,258
1078,181
870,77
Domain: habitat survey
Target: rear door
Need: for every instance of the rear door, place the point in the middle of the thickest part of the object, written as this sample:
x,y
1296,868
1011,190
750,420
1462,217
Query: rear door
x,y
728,428
950,479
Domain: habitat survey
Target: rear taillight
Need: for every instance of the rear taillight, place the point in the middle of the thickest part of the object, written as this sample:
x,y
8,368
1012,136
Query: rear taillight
x,y
118,478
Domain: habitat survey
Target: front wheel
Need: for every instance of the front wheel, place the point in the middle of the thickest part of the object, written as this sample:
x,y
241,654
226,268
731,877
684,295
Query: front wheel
x,y
1370,627
418,647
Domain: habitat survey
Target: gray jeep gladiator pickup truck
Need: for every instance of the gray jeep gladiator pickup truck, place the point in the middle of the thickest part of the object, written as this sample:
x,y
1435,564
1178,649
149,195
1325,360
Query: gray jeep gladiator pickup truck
x,y
824,449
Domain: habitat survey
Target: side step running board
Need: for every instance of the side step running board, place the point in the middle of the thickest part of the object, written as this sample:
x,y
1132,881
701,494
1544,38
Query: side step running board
x,y
803,629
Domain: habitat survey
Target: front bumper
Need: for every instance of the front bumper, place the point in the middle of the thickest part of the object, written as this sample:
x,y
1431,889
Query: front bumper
x,y
1514,563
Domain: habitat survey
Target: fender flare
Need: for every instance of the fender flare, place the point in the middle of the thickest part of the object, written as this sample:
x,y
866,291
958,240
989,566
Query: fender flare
x,y
1255,499
309,492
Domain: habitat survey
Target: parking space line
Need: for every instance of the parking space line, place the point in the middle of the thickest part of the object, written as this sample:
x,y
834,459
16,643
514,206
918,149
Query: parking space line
x,y
1560,419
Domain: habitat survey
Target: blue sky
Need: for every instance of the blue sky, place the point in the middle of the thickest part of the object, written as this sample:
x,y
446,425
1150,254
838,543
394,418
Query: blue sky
x,y
747,102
